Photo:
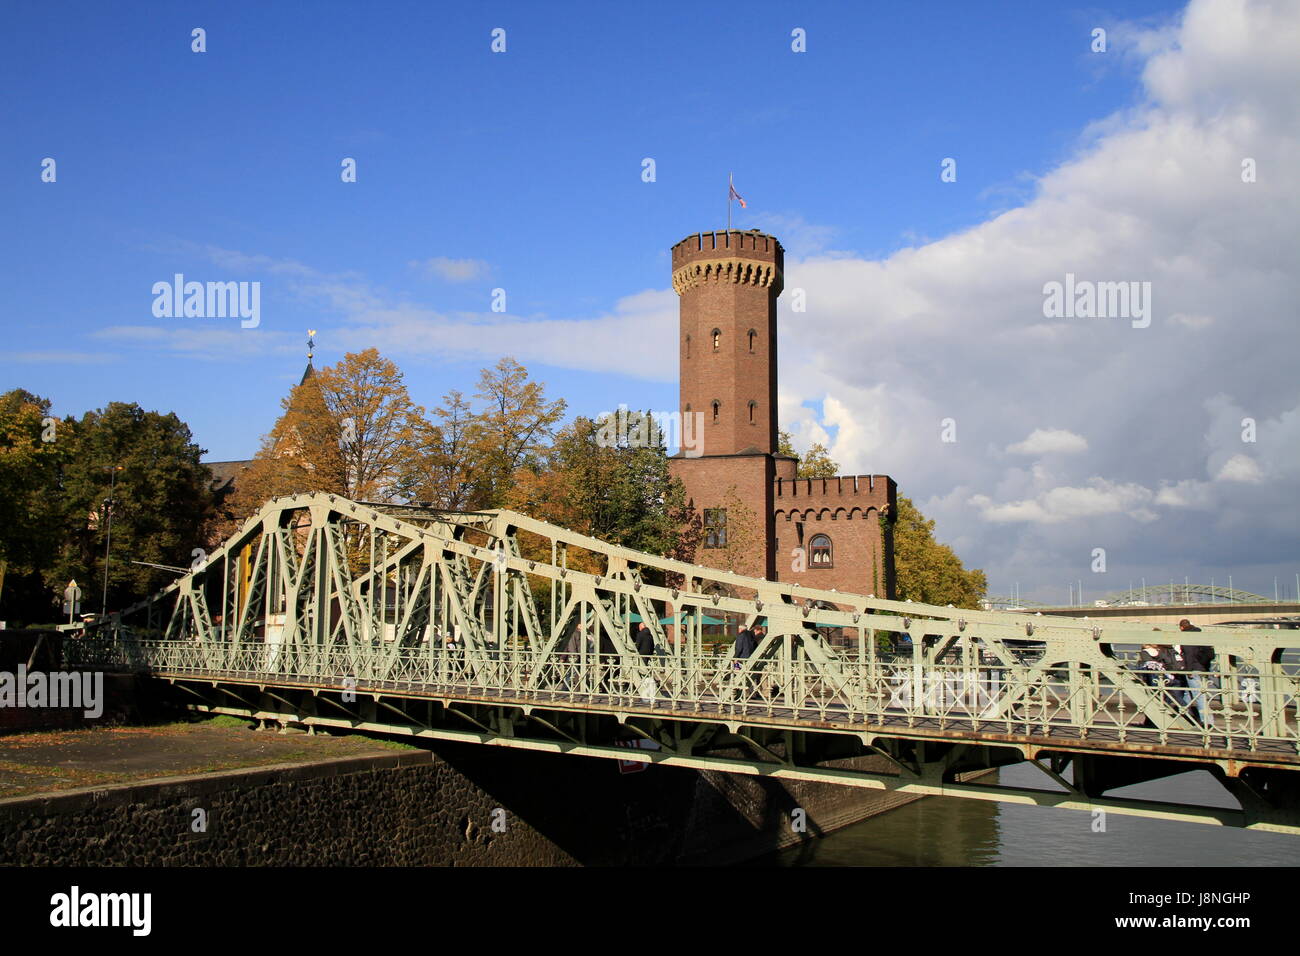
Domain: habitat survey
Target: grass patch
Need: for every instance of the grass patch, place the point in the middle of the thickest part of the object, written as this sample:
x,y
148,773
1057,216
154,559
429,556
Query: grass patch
x,y
226,720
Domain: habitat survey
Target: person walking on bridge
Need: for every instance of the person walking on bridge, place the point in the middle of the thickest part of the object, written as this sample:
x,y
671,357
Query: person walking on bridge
x,y
1155,663
1196,661
645,641
746,644
742,650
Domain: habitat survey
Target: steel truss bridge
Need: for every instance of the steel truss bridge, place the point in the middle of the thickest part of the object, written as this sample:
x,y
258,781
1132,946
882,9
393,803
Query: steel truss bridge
x,y
1185,594
497,629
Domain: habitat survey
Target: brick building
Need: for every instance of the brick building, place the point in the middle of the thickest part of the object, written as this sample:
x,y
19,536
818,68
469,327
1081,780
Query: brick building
x,y
756,512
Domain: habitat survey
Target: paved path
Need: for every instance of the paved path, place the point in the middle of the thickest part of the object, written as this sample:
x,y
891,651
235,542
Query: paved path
x,y
57,760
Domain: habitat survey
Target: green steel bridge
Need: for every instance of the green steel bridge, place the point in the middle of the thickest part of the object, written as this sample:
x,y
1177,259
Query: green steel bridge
x,y
497,629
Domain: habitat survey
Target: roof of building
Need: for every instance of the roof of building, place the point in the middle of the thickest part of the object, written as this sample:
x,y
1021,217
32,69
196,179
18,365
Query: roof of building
x,y
225,472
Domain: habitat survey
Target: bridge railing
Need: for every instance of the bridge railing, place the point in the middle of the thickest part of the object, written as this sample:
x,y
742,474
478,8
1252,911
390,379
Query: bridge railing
x,y
1071,700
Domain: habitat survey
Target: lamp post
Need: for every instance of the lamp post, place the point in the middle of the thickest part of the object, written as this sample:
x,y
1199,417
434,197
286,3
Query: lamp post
x,y
108,542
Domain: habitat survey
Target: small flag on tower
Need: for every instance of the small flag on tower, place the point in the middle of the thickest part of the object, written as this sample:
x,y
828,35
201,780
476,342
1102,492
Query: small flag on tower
x,y
733,194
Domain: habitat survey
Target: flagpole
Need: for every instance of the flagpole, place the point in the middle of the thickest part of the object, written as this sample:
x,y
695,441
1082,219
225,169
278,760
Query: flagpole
x,y
729,189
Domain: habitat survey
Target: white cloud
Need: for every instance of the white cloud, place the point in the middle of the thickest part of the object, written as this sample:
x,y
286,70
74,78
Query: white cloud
x,y
1240,468
1099,497
638,336
1188,493
453,270
954,328
206,342
1046,441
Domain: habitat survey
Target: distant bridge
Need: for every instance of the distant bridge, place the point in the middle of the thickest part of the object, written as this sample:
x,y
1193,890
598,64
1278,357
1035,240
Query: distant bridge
x,y
326,612
1152,594
1185,594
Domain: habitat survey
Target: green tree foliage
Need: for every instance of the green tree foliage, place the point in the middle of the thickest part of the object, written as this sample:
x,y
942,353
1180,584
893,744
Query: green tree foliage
x,y
816,464
446,471
162,502
927,571
467,457
594,482
744,532
31,462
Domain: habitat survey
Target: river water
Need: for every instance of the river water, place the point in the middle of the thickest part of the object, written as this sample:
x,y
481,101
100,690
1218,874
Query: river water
x,y
952,831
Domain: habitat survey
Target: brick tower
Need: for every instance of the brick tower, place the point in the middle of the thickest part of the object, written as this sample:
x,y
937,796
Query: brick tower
x,y
728,283
759,518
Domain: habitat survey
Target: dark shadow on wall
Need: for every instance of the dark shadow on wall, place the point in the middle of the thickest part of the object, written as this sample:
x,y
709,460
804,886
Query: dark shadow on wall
x,y
659,816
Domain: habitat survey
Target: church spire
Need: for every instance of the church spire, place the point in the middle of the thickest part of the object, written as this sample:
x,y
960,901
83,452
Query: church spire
x,y
308,372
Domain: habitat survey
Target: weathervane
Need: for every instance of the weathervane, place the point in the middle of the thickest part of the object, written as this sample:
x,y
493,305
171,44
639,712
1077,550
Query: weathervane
x,y
311,343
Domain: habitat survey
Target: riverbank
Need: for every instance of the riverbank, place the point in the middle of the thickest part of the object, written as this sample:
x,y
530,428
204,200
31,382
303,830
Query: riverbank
x,y
216,794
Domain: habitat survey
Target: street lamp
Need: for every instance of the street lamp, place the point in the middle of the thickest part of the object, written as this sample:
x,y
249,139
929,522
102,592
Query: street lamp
x,y
108,543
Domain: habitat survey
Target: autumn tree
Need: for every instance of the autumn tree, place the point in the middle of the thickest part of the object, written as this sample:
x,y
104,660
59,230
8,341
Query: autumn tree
x,y
512,429
445,469
816,464
744,532
350,429
621,492
378,425
302,453
926,570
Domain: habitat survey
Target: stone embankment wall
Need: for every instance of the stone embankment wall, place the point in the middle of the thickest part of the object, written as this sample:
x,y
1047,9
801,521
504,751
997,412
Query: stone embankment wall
x,y
461,805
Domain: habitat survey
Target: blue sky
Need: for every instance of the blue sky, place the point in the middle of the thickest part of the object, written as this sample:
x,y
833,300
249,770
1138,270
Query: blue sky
x,y
523,170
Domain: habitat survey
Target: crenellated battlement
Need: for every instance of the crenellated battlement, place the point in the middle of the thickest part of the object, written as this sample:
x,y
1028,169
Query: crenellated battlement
x,y
751,244
748,258
816,490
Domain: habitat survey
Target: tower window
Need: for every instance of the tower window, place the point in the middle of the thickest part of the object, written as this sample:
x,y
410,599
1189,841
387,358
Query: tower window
x,y
715,527
820,553
717,407
688,346
717,339
752,406
752,337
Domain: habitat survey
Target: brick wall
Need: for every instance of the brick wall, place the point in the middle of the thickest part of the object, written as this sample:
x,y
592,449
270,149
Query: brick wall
x,y
729,282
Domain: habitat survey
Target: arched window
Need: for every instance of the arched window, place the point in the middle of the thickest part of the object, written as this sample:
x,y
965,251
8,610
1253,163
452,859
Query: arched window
x,y
820,554
717,339
752,407
717,407
688,346
752,337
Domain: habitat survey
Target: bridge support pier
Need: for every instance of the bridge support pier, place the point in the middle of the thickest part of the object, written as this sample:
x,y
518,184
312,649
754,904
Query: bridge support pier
x,y
1269,797
1096,774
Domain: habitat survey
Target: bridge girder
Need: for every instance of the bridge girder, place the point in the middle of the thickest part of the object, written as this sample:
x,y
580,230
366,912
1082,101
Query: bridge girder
x,y
479,611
